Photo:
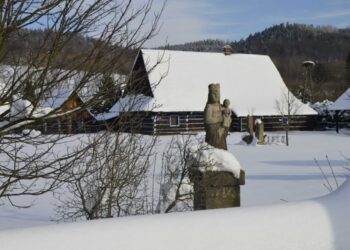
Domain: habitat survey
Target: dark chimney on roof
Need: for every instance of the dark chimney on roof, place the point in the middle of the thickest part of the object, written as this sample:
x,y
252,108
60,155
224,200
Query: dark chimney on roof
x,y
227,50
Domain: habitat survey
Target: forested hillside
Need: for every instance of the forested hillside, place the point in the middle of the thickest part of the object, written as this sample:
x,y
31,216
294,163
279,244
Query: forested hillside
x,y
289,45
29,45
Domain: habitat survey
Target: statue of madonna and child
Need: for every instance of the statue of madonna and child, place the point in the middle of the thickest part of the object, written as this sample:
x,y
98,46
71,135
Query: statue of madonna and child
x,y
217,118
216,189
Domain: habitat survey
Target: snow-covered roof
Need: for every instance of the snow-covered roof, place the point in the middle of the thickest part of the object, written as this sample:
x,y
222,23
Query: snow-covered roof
x,y
64,90
306,63
251,82
65,83
343,102
126,104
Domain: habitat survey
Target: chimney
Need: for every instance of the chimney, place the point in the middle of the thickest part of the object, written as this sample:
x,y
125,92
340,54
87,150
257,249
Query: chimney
x,y
227,50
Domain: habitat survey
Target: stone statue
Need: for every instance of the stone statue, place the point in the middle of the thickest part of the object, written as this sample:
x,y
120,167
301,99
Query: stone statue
x,y
226,113
215,189
216,119
260,135
250,128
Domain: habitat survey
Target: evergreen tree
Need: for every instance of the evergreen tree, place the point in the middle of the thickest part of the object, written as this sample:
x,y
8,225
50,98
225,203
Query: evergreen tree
x,y
28,90
320,74
108,94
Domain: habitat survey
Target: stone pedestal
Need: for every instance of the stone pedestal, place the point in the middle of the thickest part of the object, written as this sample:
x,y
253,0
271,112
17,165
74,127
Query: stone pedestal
x,y
216,189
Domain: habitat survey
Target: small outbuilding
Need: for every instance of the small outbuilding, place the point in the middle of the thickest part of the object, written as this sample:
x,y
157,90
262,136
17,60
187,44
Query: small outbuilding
x,y
341,109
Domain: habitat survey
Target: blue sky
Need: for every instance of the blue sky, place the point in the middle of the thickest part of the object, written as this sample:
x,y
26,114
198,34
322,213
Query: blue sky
x,y
191,20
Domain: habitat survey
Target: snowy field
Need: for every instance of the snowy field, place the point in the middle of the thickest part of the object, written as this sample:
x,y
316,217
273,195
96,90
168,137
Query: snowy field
x,y
275,175
320,224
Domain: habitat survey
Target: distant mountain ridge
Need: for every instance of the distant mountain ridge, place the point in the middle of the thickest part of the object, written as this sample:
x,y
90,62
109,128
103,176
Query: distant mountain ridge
x,y
289,45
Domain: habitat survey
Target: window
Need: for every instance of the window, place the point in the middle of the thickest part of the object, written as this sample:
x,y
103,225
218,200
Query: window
x,y
174,121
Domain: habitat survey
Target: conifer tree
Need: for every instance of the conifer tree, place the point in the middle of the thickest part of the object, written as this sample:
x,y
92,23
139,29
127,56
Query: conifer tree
x,y
108,93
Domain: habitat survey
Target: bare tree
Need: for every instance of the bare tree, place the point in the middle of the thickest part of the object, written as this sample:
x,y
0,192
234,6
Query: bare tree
x,y
32,165
288,105
176,190
109,180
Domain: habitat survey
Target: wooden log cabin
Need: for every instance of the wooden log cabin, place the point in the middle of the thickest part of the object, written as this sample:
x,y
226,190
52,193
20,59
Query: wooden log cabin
x,y
70,105
173,86
77,119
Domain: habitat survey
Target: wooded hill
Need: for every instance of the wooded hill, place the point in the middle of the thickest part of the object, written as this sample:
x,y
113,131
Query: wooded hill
x,y
29,46
289,45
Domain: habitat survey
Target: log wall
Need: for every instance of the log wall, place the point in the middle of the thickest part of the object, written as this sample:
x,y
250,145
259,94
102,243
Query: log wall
x,y
191,122
274,123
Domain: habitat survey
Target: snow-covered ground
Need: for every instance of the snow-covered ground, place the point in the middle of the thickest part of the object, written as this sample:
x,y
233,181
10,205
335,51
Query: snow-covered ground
x,y
274,174
277,173
318,224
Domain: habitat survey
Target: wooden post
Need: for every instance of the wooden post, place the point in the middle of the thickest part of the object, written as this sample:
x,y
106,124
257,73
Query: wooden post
x,y
337,121
250,125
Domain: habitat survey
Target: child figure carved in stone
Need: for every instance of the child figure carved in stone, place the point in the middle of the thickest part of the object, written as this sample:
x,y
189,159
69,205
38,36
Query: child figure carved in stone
x,y
226,114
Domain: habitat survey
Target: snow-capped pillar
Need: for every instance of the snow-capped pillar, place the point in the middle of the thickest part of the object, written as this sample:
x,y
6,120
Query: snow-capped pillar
x,y
216,189
260,134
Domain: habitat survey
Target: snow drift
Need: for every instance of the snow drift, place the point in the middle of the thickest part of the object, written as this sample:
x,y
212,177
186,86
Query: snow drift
x,y
318,224
209,158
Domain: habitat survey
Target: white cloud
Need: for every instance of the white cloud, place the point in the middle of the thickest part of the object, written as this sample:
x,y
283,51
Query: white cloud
x,y
178,24
188,20
315,16
334,14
